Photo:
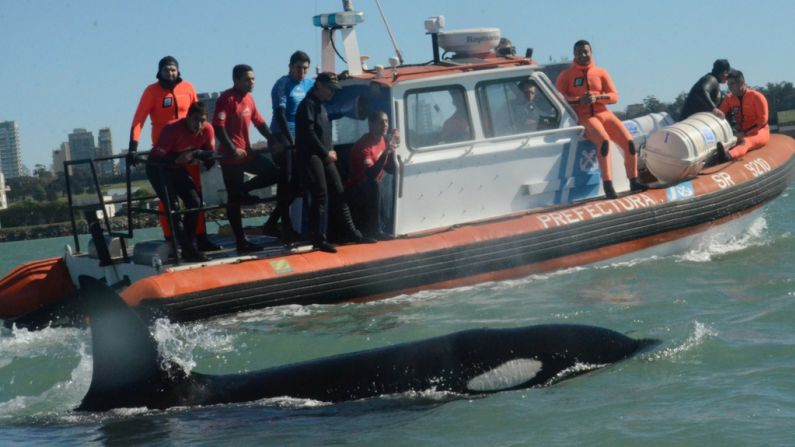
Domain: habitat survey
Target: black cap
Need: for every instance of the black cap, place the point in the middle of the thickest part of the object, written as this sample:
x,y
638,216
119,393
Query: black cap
x,y
168,60
720,65
329,79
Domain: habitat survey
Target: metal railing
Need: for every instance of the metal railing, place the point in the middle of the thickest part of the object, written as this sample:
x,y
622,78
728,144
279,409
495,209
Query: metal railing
x,y
90,210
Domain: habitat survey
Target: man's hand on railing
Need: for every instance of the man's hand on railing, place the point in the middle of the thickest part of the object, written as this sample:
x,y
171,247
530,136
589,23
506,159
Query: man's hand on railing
x,y
206,157
133,158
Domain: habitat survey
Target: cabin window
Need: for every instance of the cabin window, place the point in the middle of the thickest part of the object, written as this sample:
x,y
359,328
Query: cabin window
x,y
515,106
437,116
348,130
349,108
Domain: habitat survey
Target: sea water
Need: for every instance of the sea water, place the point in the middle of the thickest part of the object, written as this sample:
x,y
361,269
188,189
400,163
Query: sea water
x,y
723,376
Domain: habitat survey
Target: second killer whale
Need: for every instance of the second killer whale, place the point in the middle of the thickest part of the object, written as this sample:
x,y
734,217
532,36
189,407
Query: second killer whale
x,y
128,370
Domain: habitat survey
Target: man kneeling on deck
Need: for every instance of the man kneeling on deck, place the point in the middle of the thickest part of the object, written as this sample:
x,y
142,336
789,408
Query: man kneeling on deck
x,y
370,157
182,143
746,109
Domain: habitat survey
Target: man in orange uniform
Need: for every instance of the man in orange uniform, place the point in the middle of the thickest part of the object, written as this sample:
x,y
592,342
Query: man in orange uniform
x,y
166,100
748,108
589,89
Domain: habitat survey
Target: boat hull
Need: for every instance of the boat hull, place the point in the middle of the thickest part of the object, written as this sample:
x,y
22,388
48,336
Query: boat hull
x,y
513,246
34,285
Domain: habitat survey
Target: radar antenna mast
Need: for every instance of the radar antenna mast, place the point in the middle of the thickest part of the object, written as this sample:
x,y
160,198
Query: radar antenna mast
x,y
398,53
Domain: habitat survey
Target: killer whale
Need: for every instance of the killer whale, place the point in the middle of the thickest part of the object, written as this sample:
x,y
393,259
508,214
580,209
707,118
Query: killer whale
x,y
128,371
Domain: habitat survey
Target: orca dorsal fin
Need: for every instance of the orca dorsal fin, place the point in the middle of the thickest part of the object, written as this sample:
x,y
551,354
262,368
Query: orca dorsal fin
x,y
126,361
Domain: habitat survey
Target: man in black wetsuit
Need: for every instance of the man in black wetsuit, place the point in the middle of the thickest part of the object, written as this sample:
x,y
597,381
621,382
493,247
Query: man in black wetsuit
x,y
705,96
317,168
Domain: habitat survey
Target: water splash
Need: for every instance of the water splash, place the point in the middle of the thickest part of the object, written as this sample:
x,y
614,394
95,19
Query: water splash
x,y
701,332
178,343
291,403
719,244
536,277
574,370
57,401
277,313
23,343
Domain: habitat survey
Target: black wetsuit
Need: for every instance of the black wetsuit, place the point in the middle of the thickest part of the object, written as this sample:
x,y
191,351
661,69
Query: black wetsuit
x,y
321,178
287,187
266,174
705,96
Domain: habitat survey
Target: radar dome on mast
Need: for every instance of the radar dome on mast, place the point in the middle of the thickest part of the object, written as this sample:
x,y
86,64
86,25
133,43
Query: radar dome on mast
x,y
470,42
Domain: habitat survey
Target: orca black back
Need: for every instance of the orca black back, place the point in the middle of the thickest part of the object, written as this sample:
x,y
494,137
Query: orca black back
x,y
128,371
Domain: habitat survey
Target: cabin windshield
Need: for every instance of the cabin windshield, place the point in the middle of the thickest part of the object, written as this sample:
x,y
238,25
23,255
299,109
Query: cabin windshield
x,y
515,106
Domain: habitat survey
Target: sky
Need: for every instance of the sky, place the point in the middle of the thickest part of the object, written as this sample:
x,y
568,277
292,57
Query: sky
x,y
69,64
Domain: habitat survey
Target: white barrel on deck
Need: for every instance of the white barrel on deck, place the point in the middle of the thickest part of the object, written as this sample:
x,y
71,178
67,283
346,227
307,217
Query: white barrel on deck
x,y
679,151
641,127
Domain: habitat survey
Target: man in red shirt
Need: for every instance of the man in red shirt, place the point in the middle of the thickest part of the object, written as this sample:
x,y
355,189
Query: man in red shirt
x,y
588,89
748,108
369,158
181,144
235,111
164,101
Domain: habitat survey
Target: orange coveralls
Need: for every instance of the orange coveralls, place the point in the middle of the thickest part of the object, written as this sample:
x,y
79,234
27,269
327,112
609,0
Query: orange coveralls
x,y
750,111
162,106
600,123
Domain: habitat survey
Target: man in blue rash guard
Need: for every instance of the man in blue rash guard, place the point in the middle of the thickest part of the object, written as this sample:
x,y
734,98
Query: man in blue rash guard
x,y
286,94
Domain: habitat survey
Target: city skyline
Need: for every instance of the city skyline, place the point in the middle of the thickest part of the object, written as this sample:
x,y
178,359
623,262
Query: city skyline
x,y
104,145
650,48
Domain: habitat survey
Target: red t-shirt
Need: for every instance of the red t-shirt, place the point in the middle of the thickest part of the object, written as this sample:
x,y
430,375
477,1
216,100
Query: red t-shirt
x,y
235,112
176,138
364,155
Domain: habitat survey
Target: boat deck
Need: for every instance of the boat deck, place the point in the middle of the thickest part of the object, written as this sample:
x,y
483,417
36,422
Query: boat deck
x,y
271,248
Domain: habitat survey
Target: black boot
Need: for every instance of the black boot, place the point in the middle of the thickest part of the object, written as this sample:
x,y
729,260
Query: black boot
x,y
190,254
348,228
245,246
204,243
723,153
610,192
288,235
271,228
636,186
324,245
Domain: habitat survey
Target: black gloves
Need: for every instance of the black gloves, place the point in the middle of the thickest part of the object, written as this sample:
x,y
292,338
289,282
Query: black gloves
x,y
206,157
132,158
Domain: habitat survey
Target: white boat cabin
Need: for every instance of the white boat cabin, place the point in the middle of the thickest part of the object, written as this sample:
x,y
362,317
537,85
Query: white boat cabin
x,y
472,146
